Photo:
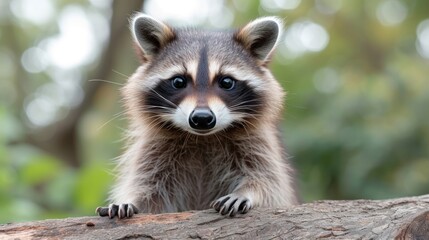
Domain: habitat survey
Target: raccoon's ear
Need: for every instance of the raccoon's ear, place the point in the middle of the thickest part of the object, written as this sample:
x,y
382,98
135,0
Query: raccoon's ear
x,y
150,35
260,37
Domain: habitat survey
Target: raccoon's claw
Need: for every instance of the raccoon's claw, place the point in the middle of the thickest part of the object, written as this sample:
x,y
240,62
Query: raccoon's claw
x,y
232,204
125,210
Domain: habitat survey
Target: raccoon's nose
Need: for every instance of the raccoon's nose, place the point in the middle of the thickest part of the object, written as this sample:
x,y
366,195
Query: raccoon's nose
x,y
202,119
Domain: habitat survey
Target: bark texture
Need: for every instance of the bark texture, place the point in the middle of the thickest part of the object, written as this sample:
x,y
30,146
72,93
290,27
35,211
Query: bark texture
x,y
404,218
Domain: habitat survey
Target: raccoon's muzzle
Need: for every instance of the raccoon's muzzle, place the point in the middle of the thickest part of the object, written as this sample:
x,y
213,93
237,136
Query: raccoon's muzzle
x,y
202,119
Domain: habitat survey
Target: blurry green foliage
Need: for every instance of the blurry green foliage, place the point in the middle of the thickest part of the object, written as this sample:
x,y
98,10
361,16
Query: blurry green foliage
x,y
356,122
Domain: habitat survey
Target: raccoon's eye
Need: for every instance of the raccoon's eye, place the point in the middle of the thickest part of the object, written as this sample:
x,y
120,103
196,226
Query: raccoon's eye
x,y
178,82
227,83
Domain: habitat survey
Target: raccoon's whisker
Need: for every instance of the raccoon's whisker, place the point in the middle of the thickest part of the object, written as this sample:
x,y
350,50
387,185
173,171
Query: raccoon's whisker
x,y
105,81
256,117
155,117
161,111
250,109
157,107
117,115
237,106
169,126
251,115
168,101
125,137
119,73
246,105
154,106
244,102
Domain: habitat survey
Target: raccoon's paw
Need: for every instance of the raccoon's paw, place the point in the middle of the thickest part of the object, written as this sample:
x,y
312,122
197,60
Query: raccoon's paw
x,y
125,210
232,204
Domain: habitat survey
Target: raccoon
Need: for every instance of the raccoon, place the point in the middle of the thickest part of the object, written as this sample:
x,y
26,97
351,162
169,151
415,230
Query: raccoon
x,y
204,113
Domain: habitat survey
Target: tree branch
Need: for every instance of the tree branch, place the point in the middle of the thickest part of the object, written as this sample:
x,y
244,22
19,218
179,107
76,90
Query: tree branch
x,y
404,218
64,142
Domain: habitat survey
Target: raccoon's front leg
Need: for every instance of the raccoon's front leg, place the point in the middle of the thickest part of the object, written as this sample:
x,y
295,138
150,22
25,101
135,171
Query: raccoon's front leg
x,y
125,210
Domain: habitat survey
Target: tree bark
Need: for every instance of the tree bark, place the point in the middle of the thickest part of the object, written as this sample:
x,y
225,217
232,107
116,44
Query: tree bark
x,y
404,218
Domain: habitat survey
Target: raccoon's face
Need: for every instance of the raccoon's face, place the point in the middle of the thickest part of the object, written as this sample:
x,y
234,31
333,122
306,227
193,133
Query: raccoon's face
x,y
203,82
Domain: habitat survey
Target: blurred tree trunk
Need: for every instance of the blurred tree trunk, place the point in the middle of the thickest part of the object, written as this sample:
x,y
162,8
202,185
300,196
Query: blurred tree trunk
x,y
64,142
405,218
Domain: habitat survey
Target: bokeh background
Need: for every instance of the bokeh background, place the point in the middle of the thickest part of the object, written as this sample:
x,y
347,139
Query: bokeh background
x,y
356,73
